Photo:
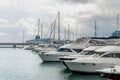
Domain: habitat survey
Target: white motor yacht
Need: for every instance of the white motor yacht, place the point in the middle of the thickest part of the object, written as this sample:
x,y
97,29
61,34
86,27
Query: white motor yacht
x,y
111,73
54,55
87,52
43,48
30,47
108,56
73,48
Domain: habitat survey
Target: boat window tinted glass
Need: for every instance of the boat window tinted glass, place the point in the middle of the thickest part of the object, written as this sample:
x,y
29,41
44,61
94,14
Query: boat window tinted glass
x,y
108,55
99,53
87,52
77,50
64,50
117,55
42,46
49,46
112,55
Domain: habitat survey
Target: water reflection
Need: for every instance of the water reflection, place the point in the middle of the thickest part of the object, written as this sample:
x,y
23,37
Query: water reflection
x,y
77,76
65,71
68,75
17,64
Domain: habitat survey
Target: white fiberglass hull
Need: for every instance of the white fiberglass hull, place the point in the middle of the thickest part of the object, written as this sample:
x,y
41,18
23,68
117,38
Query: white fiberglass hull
x,y
49,57
53,55
44,50
88,67
72,57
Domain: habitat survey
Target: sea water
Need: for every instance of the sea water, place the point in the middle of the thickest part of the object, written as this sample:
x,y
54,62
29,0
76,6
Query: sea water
x,y
20,64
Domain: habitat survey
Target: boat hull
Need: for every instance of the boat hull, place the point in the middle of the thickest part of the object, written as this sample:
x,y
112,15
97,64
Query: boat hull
x,y
112,76
69,58
49,57
87,67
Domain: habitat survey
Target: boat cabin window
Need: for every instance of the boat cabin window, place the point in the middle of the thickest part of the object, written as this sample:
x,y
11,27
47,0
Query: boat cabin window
x,y
49,46
77,50
64,50
42,46
99,53
112,55
87,52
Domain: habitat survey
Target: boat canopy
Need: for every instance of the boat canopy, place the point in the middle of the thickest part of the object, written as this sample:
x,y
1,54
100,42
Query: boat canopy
x,y
109,48
73,46
92,48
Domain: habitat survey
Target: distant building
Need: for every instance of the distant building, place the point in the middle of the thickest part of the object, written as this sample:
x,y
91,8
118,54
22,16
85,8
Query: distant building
x,y
34,41
116,34
37,37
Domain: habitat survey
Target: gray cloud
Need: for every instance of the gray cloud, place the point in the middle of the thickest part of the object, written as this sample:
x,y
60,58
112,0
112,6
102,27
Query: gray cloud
x,y
12,13
80,14
80,1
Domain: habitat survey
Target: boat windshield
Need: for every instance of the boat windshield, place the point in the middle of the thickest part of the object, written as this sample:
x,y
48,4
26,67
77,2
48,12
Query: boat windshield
x,y
64,50
77,50
111,55
87,53
46,46
49,46
42,46
98,54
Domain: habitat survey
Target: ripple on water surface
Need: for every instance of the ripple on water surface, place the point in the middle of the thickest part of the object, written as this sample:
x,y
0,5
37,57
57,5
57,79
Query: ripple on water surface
x,y
19,64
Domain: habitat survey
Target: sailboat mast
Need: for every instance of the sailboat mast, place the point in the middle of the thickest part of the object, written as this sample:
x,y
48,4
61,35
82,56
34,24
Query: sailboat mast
x,y
64,34
38,26
41,30
54,29
68,32
23,36
117,21
95,30
51,30
73,36
58,26
76,35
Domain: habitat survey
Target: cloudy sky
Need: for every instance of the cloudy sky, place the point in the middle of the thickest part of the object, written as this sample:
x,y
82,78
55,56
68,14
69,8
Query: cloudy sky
x,y
17,16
